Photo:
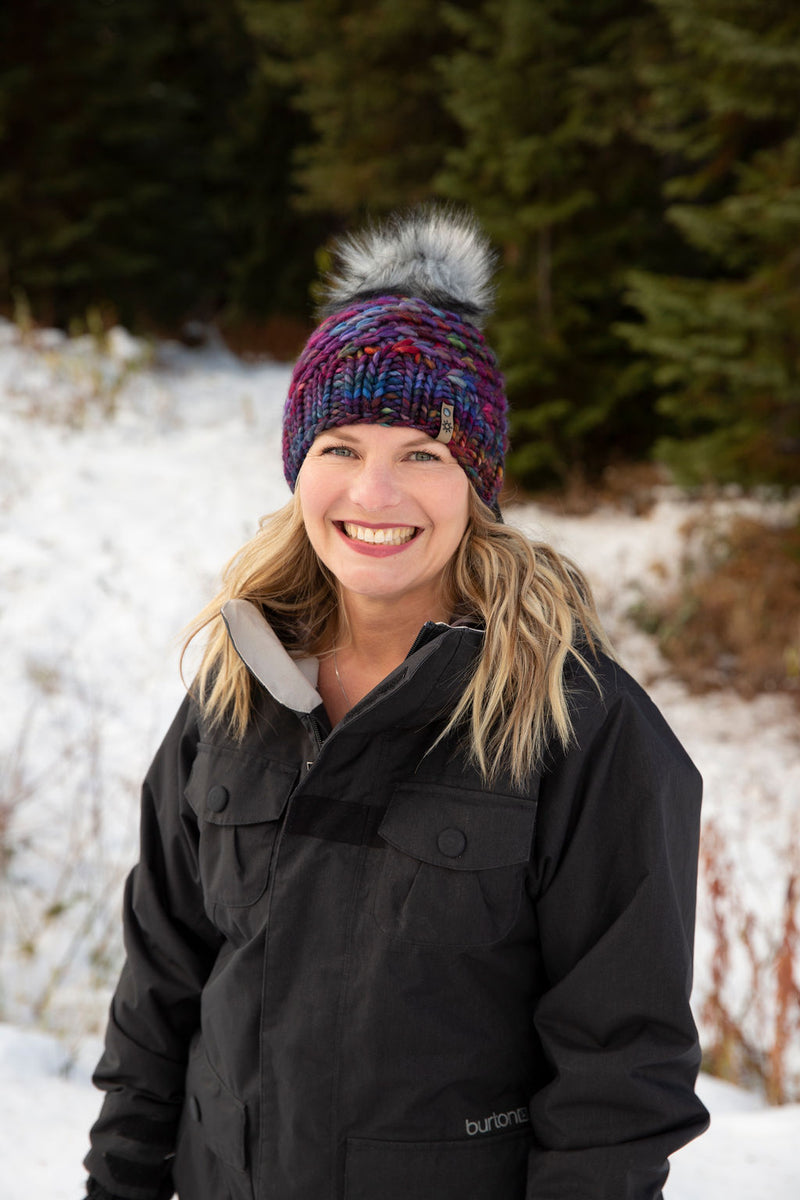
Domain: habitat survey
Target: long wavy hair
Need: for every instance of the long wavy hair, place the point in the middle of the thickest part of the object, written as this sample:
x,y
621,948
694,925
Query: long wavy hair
x,y
535,607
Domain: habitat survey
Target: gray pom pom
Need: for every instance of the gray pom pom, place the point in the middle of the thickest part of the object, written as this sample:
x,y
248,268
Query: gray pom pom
x,y
435,254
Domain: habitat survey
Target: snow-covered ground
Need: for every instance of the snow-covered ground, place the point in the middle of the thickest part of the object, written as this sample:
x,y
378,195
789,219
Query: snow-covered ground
x,y
124,487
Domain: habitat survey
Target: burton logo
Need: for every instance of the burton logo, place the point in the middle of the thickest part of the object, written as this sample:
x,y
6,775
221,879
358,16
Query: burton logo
x,y
503,1120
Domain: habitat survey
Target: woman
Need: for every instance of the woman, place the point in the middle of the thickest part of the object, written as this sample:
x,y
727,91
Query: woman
x,y
414,910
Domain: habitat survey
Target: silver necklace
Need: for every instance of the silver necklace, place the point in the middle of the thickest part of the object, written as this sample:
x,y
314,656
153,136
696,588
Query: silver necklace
x,y
339,678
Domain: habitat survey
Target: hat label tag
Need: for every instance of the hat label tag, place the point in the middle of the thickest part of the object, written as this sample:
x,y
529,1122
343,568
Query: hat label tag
x,y
446,425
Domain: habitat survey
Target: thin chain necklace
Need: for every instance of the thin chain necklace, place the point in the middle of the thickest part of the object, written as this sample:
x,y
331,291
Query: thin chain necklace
x,y
339,678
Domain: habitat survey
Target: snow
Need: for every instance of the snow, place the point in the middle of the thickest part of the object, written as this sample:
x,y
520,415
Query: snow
x,y
47,1106
748,1152
128,476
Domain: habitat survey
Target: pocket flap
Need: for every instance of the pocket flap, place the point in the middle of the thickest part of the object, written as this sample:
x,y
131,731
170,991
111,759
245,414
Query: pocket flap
x,y
459,829
231,788
479,1168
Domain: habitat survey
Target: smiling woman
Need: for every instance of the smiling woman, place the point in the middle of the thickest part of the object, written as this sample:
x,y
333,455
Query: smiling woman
x,y
413,835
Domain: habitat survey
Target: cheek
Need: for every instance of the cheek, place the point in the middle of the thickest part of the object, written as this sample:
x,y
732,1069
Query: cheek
x,y
313,502
313,486
454,507
457,531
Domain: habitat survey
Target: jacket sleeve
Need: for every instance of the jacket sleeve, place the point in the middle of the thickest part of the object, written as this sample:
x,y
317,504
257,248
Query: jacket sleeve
x,y
615,882
170,949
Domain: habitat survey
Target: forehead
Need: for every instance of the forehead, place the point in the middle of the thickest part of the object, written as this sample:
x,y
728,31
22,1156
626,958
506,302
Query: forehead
x,y
367,434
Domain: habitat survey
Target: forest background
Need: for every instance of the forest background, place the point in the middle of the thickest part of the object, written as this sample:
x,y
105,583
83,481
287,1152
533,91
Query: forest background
x,y
179,167
636,162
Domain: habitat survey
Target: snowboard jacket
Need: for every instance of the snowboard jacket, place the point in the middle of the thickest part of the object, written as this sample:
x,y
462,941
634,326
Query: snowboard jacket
x,y
356,971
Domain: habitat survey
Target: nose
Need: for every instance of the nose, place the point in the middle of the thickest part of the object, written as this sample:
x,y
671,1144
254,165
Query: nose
x,y
374,486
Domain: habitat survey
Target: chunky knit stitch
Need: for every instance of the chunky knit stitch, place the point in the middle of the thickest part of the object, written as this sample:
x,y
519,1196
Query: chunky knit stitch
x,y
399,360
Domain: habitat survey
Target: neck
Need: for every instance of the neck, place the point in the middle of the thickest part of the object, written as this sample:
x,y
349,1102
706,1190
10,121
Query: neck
x,y
379,636
383,634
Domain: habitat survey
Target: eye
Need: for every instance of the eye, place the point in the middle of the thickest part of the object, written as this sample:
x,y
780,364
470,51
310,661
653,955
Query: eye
x,y
424,456
338,450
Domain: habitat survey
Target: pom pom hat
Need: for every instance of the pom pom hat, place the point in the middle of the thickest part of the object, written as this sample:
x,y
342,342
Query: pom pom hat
x,y
400,345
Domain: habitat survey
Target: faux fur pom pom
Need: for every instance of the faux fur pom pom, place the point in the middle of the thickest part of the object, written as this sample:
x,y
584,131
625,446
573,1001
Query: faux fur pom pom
x,y
436,254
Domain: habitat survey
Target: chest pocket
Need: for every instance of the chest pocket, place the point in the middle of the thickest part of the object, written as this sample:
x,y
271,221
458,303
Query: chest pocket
x,y
454,865
238,799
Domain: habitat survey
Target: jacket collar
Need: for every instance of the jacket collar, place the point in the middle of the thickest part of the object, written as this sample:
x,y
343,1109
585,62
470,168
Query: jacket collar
x,y
292,681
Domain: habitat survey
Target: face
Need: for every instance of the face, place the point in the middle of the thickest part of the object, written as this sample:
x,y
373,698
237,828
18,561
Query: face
x,y
385,508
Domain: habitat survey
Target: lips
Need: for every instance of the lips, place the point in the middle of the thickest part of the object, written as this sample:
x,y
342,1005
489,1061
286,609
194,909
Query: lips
x,y
392,535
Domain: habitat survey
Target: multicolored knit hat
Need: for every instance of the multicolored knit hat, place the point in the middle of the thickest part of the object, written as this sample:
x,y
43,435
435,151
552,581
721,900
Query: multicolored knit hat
x,y
400,345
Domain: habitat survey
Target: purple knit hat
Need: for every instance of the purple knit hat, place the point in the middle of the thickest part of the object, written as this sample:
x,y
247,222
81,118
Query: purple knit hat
x,y
400,346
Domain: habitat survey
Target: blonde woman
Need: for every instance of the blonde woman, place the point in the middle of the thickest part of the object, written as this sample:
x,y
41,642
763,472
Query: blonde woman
x,y
414,910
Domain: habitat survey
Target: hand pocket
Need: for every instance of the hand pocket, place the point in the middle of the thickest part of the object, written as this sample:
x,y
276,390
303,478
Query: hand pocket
x,y
484,1169
211,1155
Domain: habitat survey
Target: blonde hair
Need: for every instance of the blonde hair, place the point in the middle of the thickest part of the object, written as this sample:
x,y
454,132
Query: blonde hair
x,y
534,605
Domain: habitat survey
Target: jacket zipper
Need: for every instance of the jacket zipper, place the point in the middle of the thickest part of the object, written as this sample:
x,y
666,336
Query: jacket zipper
x,y
312,727
427,634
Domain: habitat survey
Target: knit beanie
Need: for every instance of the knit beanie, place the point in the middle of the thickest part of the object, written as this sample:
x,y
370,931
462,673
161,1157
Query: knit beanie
x,y
400,344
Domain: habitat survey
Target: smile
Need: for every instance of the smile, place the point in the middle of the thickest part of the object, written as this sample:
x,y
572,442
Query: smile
x,y
395,535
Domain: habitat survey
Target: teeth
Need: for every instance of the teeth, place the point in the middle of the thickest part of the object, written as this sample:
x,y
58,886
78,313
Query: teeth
x,y
380,537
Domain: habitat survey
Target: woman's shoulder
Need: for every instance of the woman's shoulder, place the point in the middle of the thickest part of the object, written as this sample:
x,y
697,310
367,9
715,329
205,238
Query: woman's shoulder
x,y
609,706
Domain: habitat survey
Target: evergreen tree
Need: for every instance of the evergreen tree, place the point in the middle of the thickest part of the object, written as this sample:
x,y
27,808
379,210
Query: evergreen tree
x,y
364,75
547,100
128,175
250,135
94,134
726,336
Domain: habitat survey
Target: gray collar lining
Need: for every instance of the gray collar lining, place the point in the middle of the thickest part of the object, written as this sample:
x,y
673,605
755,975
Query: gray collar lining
x,y
292,681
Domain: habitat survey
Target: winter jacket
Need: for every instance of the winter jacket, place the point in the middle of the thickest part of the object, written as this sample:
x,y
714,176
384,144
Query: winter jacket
x,y
355,971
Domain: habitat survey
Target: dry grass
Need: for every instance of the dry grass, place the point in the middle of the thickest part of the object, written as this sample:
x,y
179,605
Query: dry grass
x,y
275,337
751,1033
632,487
734,620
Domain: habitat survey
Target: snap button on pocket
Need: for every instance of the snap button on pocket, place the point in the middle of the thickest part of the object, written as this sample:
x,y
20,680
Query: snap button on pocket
x,y
452,842
451,870
217,798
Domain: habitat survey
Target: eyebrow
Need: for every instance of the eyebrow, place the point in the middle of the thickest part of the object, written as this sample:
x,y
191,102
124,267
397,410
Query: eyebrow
x,y
336,431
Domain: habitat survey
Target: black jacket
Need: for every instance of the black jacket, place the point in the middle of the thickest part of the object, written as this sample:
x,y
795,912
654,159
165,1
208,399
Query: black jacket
x,y
355,972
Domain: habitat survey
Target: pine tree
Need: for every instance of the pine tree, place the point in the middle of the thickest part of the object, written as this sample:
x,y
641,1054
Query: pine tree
x,y
725,337
145,163
364,75
86,123
248,136
547,100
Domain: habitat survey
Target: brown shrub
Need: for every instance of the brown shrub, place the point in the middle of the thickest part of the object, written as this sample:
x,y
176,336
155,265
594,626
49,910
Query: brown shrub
x,y
632,487
280,338
750,1032
735,619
